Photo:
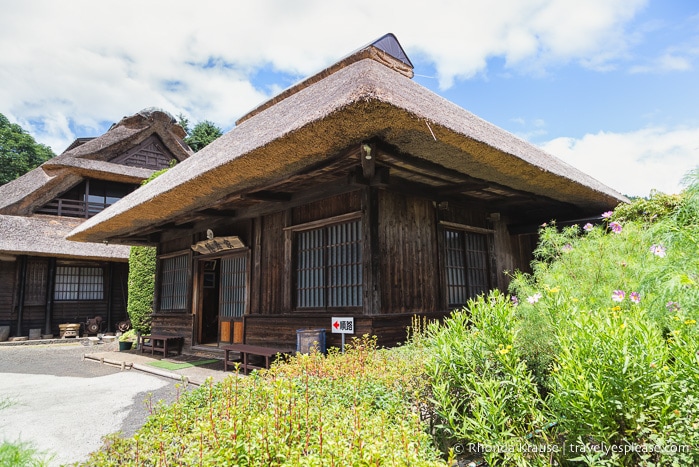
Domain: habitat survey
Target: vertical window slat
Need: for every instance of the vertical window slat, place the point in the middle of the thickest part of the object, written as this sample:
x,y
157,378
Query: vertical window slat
x,y
329,266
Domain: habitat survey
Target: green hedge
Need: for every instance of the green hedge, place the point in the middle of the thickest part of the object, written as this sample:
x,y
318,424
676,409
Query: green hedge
x,y
141,287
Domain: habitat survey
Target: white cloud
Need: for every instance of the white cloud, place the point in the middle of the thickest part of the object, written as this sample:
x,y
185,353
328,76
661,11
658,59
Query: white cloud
x,y
631,162
83,64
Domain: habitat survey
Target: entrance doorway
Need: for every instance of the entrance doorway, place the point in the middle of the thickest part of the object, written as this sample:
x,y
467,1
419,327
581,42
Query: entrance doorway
x,y
223,298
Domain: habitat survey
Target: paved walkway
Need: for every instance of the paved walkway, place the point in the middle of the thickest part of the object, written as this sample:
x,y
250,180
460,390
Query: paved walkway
x,y
135,360
64,396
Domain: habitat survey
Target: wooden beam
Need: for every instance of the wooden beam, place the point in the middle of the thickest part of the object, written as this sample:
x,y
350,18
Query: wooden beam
x,y
368,161
267,195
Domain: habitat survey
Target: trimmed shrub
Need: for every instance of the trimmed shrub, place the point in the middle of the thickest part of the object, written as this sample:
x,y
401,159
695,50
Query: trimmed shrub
x,y
141,287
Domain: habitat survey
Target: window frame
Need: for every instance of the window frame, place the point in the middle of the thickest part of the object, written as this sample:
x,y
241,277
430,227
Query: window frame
x,y
82,282
243,255
488,260
293,256
187,258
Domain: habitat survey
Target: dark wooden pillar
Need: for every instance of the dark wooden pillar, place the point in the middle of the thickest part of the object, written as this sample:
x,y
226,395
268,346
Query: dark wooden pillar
x,y
110,300
370,251
50,284
22,289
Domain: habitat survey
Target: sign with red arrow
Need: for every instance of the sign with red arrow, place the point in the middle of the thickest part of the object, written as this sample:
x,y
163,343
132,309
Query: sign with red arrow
x,y
342,325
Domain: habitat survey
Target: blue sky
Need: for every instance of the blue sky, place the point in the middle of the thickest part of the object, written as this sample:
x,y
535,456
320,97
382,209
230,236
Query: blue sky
x,y
609,86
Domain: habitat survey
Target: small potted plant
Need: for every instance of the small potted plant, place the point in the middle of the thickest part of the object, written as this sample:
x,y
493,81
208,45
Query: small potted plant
x,y
126,340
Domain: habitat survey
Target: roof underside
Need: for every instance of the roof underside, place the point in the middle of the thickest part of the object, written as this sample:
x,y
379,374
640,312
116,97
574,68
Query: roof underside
x,y
423,144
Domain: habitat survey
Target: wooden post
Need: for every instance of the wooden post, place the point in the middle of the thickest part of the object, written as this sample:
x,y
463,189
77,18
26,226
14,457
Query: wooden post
x,y
22,290
50,284
370,251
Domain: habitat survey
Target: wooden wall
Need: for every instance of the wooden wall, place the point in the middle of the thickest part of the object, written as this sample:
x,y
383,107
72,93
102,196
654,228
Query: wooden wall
x,y
280,331
34,311
271,265
175,324
409,264
7,291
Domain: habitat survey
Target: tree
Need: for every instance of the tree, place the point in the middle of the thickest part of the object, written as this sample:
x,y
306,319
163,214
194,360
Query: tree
x,y
201,135
19,152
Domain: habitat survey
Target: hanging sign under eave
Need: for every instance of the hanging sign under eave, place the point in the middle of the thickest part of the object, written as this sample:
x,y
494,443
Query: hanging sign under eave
x,y
218,244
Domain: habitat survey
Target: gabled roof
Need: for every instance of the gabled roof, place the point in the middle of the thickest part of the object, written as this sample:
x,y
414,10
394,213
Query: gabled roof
x,y
366,97
22,232
92,158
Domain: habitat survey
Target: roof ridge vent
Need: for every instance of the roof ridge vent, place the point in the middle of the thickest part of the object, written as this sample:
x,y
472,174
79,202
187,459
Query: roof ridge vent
x,y
385,50
389,44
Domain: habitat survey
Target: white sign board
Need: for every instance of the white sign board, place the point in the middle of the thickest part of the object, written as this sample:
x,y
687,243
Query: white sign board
x,y
342,325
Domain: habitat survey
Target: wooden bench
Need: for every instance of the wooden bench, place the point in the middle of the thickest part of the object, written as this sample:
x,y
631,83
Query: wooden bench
x,y
161,343
244,351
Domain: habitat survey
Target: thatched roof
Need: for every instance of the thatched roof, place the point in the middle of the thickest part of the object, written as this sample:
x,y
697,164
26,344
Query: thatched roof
x,y
360,100
23,232
45,236
90,158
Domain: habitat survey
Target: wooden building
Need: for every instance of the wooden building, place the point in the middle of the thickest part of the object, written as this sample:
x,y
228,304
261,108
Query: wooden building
x,y
356,192
46,280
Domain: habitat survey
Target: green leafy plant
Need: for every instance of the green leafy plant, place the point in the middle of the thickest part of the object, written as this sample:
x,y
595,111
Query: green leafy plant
x,y
357,408
129,336
483,392
141,287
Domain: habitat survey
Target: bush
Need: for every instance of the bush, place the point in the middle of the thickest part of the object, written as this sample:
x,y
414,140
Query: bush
x,y
484,394
619,307
360,408
141,287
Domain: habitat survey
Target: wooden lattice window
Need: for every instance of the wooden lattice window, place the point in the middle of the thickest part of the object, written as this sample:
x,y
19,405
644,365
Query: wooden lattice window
x,y
329,266
79,283
173,282
233,292
466,265
36,282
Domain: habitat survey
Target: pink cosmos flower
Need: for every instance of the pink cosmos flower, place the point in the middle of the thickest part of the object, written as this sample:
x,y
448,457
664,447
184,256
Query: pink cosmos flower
x,y
658,250
587,227
534,298
618,295
607,214
635,297
616,227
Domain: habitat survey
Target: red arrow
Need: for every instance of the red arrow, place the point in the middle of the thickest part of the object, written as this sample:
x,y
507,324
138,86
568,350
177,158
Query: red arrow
x,y
336,324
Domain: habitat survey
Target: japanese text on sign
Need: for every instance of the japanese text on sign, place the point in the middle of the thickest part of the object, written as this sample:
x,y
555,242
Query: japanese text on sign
x,y
342,325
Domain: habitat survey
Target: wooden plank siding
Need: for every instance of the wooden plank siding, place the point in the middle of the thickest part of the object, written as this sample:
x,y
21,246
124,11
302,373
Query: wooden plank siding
x,y
174,324
72,311
7,292
408,254
280,330
271,273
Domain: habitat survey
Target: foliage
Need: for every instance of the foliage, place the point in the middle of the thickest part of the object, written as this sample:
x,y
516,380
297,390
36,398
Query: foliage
x,y
601,340
20,454
128,336
142,261
357,408
620,304
201,135
19,152
482,389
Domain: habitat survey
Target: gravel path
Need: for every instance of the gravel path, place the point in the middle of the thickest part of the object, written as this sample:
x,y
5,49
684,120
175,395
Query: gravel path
x,y
65,405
